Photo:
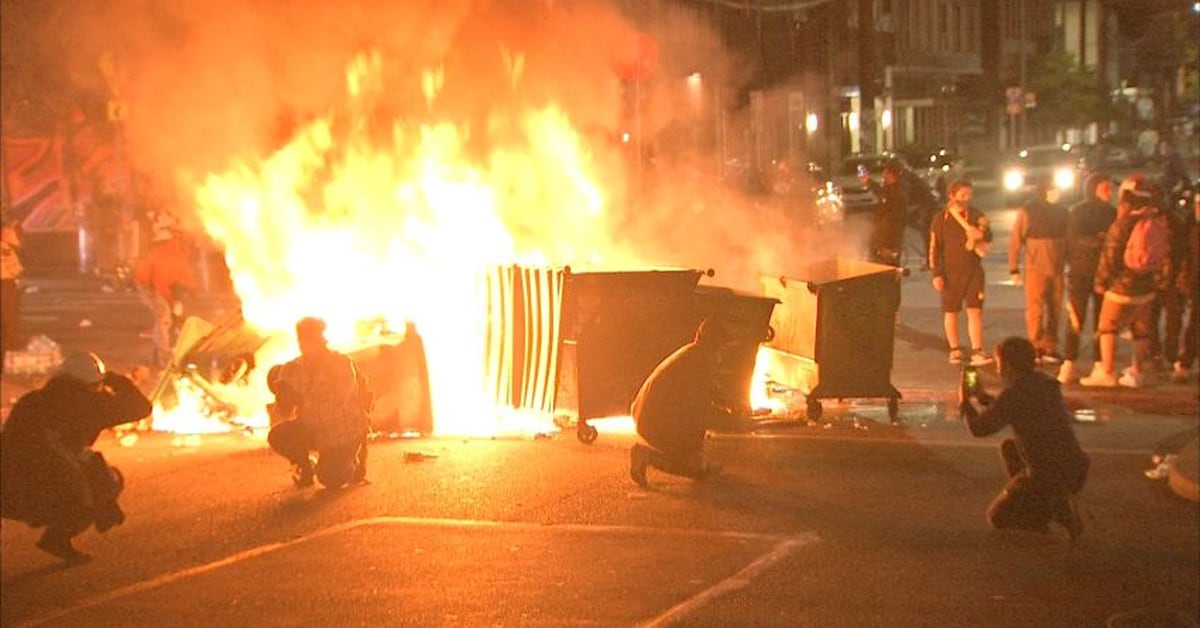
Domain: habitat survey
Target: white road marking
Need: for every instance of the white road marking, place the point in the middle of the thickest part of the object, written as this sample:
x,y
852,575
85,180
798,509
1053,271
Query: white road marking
x,y
783,547
737,581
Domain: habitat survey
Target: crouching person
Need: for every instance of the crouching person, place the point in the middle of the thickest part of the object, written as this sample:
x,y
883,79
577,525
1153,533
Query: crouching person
x,y
677,404
51,475
1045,463
321,407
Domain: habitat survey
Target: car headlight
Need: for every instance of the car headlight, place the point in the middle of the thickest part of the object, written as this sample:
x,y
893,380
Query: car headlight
x,y
1064,178
1013,179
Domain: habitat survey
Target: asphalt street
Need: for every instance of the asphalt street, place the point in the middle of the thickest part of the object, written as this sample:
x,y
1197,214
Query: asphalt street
x,y
843,521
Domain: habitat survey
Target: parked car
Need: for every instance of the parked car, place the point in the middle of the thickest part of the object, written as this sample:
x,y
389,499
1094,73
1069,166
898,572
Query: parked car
x,y
937,167
856,195
1061,164
804,190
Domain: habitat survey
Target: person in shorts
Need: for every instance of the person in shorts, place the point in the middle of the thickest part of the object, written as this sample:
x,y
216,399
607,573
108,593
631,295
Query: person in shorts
x,y
959,238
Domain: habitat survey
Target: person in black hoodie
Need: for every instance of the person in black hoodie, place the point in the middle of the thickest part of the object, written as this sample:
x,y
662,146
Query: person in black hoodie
x,y
1087,222
1045,463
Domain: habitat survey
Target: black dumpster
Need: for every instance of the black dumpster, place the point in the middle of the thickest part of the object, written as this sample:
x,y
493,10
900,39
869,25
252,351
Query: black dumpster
x,y
617,326
749,317
834,329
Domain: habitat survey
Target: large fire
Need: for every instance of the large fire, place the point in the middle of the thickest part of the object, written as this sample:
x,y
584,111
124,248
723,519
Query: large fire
x,y
400,221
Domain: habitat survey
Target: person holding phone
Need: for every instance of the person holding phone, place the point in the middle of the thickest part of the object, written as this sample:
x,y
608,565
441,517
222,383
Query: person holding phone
x,y
1045,464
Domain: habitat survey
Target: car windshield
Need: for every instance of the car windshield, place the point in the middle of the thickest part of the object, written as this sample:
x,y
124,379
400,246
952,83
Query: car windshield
x,y
1047,157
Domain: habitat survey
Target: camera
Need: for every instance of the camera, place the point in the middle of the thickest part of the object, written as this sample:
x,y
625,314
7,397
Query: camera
x,y
970,381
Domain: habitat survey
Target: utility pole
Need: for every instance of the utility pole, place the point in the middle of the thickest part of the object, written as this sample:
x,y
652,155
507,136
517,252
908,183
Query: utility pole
x,y
1022,120
866,75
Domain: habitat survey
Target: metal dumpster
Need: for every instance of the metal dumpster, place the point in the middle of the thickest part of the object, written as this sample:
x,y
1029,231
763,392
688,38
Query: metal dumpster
x,y
835,330
617,326
749,316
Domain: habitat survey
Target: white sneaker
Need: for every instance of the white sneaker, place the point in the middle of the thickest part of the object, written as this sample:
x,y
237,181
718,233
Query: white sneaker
x,y
1067,373
1180,374
1130,378
1099,378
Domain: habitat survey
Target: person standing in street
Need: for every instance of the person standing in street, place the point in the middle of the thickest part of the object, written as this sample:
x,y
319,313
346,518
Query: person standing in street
x,y
1186,280
959,237
163,277
1087,222
1046,466
322,405
677,404
10,288
1041,230
887,225
52,476
1130,272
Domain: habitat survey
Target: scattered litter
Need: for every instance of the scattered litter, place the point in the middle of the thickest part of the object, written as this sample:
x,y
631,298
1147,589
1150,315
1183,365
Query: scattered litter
x,y
417,456
85,323
40,356
32,290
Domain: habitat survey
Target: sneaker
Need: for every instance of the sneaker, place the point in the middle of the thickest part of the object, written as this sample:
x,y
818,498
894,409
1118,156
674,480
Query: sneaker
x,y
1066,372
956,356
1068,517
979,357
1049,357
1130,378
637,465
1099,378
1179,375
61,547
302,474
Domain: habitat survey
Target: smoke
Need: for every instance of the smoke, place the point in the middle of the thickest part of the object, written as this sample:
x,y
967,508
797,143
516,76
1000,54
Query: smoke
x,y
211,81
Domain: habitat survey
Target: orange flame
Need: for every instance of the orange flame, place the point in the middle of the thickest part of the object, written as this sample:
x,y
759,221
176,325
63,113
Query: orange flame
x,y
341,225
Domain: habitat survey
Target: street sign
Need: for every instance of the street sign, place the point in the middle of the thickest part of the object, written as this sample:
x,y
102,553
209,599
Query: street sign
x,y
1030,100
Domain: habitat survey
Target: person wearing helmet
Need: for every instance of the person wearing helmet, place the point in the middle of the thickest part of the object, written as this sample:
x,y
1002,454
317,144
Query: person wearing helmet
x,y
322,404
1128,291
52,476
163,277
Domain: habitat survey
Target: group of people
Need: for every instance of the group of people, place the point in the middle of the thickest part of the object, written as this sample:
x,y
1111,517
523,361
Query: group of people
x,y
1131,265
53,478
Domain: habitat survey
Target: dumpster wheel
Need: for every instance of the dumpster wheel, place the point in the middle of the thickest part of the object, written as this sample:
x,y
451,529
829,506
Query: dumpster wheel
x,y
813,408
586,433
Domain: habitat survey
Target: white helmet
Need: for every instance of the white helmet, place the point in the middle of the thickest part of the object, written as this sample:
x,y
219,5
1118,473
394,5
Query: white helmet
x,y
84,366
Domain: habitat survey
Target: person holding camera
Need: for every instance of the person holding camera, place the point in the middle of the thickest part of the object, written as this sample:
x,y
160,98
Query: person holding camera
x,y
1045,464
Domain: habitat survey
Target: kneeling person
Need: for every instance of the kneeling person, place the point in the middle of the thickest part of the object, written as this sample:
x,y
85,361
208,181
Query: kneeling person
x,y
1044,461
321,405
677,404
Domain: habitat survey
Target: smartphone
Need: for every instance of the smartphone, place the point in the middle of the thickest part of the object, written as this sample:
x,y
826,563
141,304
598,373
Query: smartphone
x,y
970,380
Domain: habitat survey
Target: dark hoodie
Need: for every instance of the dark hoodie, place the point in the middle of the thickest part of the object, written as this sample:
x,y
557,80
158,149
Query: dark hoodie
x,y
1087,222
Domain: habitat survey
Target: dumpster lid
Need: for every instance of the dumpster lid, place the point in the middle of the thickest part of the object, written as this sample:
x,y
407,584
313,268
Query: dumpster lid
x,y
839,269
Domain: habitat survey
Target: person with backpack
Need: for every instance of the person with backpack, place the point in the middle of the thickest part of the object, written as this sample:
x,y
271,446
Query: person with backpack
x,y
1134,264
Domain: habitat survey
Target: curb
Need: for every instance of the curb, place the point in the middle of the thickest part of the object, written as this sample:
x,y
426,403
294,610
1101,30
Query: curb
x,y
1184,474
